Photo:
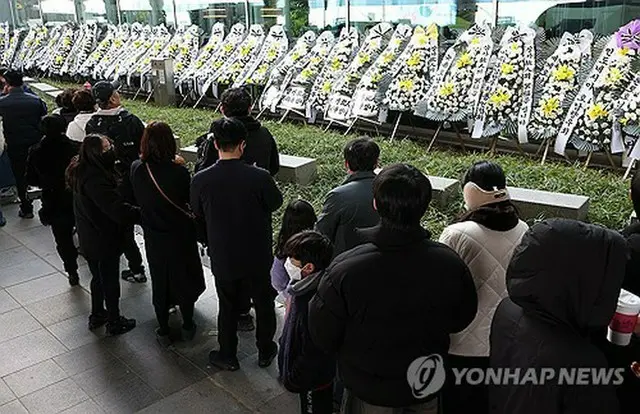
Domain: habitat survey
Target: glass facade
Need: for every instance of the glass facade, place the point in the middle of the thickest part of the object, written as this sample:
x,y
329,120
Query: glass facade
x,y
297,16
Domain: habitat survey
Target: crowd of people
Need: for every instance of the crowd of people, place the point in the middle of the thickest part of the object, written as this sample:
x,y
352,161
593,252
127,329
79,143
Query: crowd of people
x,y
369,294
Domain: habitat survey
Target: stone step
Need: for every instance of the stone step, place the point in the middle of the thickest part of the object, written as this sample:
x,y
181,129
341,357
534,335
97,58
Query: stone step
x,y
299,170
538,203
53,94
443,190
42,87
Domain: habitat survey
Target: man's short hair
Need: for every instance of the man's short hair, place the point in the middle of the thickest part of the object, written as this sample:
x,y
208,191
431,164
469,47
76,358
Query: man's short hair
x,y
13,78
310,246
228,133
402,195
361,154
635,193
236,102
84,101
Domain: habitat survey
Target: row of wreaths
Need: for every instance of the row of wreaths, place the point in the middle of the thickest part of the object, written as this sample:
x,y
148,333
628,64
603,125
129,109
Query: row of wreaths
x,y
580,89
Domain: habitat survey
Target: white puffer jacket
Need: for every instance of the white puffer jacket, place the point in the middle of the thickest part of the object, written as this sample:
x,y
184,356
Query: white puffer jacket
x,y
487,253
76,128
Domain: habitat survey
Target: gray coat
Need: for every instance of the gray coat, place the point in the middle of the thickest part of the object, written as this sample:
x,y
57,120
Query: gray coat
x,y
346,208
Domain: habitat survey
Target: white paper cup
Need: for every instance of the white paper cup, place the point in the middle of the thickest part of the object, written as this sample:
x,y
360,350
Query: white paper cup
x,y
625,319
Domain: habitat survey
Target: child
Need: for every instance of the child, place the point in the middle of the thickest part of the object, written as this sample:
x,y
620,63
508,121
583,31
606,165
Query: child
x,y
298,216
304,369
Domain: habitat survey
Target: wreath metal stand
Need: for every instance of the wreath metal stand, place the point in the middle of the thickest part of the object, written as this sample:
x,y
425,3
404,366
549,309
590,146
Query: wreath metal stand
x,y
629,168
492,146
455,128
376,124
435,136
586,163
546,143
396,125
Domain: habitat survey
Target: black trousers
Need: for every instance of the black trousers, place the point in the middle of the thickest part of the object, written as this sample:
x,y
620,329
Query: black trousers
x,y
231,299
465,398
18,158
105,286
62,229
132,251
317,402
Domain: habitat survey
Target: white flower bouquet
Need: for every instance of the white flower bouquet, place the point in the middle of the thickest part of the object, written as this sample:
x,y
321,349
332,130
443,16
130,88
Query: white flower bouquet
x,y
14,43
123,34
132,52
559,78
187,52
457,85
273,50
246,52
206,52
63,48
588,123
25,48
333,69
205,75
411,72
159,40
275,85
300,78
508,92
98,53
44,56
85,43
5,38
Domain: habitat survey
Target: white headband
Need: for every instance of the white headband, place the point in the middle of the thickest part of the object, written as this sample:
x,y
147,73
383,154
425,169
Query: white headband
x,y
475,196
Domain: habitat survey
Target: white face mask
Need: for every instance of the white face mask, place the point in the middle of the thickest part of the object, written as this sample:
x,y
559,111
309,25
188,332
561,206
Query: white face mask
x,y
295,273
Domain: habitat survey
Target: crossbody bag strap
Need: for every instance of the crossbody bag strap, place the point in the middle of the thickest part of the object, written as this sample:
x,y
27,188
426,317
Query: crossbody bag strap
x,y
185,212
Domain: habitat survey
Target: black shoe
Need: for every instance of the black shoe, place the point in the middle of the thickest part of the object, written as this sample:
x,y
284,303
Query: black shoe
x,y
266,358
163,337
225,364
245,323
132,277
3,221
120,326
189,334
97,320
74,278
25,214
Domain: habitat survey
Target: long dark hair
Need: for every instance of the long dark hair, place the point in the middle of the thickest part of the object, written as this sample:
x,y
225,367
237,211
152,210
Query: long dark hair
x,y
158,143
299,215
502,216
90,156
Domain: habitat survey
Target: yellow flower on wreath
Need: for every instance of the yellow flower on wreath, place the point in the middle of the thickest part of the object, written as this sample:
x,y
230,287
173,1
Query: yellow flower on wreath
x,y
549,105
563,73
406,84
326,87
623,51
464,60
336,64
613,76
500,97
414,60
432,31
506,68
596,111
387,58
475,40
447,89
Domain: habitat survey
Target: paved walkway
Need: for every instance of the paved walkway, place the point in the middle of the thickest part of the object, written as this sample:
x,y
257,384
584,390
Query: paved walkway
x,y
50,362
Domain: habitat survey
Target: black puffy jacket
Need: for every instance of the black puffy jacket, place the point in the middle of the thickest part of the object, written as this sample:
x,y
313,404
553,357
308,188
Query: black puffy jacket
x,y
563,283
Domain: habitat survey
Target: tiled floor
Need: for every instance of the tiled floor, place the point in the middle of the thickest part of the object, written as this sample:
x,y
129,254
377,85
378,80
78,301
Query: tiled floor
x,y
50,362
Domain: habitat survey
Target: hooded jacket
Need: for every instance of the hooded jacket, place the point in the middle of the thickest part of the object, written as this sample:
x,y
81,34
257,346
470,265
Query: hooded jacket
x,y
261,148
563,283
77,128
386,303
46,167
303,366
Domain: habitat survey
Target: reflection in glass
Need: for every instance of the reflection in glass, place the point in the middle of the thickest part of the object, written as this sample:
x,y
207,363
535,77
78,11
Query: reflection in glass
x,y
58,10
27,11
205,13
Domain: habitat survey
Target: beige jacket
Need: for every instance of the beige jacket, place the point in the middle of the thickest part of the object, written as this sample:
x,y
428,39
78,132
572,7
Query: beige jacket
x,y
487,253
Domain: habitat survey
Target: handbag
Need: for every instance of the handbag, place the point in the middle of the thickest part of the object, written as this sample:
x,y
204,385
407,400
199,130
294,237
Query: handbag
x,y
187,213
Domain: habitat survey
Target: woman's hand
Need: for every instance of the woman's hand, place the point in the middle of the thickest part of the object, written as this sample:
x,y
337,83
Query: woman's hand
x,y
179,160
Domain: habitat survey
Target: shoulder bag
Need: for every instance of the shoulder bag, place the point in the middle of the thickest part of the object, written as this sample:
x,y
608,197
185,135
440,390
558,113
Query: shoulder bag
x,y
186,212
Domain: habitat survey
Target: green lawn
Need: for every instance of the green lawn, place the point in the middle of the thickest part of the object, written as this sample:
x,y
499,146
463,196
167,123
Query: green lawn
x,y
610,204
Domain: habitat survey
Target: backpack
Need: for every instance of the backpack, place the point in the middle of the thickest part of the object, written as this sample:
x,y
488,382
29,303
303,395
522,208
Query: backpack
x,y
124,129
205,146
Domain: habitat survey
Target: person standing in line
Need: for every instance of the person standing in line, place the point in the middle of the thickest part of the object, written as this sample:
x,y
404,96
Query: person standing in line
x,y
485,237
261,148
65,106
236,200
85,104
46,166
563,280
161,187
298,216
125,131
389,305
102,217
304,369
3,221
21,113
350,205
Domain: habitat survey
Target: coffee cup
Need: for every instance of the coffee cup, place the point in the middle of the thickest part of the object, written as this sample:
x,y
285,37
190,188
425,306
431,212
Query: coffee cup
x,y
625,319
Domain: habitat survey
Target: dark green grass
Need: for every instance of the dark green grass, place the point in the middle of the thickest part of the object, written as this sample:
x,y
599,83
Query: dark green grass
x,y
610,204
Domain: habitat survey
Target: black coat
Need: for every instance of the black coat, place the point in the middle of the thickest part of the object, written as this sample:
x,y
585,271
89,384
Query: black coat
x,y
347,208
21,113
236,201
102,214
632,275
303,366
169,234
46,167
261,148
386,303
563,283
